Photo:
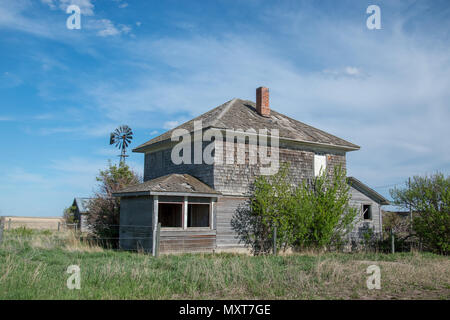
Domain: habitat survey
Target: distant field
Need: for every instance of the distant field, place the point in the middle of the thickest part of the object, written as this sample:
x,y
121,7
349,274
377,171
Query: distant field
x,y
43,223
33,265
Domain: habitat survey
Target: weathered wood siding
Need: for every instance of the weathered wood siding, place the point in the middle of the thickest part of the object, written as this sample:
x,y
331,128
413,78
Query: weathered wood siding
x,y
226,208
135,223
357,201
159,163
189,240
236,179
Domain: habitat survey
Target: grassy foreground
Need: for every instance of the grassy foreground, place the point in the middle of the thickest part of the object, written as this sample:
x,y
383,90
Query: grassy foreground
x,y
33,265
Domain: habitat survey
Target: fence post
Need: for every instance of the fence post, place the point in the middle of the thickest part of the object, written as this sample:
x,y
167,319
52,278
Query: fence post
x,y
2,226
274,240
59,223
158,231
9,224
392,242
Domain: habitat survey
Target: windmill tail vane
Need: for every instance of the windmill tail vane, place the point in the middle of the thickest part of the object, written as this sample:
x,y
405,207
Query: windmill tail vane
x,y
121,138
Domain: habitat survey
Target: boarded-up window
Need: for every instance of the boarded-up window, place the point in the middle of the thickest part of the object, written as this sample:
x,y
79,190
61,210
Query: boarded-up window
x,y
320,164
170,215
367,211
198,215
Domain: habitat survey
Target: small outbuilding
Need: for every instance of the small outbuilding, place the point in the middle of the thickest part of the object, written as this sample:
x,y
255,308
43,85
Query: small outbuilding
x,y
81,211
183,205
368,202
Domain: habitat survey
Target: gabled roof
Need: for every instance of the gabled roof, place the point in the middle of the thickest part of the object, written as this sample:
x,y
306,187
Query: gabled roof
x,y
241,114
82,204
358,185
181,184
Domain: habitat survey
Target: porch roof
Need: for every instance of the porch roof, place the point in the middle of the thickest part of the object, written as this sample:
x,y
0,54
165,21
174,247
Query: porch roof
x,y
171,184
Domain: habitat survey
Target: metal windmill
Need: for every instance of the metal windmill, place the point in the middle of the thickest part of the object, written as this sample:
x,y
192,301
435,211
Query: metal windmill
x,y
121,137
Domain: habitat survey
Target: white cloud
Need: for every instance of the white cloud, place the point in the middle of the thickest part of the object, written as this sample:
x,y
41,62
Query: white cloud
x,y
18,174
106,28
390,96
86,6
170,124
98,130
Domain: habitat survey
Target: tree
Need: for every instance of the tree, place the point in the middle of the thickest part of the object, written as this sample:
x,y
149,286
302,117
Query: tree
x,y
429,199
104,209
315,213
69,215
269,206
323,210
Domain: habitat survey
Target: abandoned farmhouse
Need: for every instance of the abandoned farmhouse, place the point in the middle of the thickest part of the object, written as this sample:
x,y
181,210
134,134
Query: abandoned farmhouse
x,y
195,200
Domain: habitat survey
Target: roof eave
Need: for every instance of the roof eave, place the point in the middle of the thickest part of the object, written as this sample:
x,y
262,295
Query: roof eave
x,y
165,193
146,148
375,195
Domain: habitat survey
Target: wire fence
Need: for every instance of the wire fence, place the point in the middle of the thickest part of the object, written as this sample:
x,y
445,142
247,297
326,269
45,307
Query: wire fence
x,y
105,235
141,236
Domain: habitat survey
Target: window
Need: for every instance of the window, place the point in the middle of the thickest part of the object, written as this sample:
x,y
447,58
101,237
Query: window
x,y
367,211
170,215
198,215
320,164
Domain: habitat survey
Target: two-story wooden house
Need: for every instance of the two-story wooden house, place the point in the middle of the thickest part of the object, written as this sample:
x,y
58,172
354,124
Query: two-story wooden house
x,y
195,200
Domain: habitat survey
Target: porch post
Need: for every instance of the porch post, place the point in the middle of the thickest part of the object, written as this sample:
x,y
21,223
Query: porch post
x,y
211,214
185,213
155,223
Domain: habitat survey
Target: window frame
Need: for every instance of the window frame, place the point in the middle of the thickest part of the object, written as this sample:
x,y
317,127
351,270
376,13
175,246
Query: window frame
x,y
182,214
318,171
370,211
209,215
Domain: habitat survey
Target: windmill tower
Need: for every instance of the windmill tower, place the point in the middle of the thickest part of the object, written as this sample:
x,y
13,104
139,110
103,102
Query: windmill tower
x,y
121,137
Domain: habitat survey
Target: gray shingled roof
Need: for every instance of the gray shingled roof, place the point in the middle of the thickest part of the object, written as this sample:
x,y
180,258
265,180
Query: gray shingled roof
x,y
241,114
82,204
171,183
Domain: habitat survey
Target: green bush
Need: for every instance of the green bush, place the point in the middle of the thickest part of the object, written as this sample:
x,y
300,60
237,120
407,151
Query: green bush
x,y
104,209
429,199
315,213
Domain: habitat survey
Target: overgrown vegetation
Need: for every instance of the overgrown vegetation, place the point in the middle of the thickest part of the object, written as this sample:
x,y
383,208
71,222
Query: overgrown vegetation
x,y
429,199
104,209
69,215
315,213
34,267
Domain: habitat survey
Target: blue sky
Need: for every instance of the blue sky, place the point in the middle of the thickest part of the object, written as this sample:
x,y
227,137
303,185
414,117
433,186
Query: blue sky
x,y
154,64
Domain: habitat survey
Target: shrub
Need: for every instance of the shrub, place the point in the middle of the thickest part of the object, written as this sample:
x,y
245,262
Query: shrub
x,y
429,199
69,215
315,213
104,209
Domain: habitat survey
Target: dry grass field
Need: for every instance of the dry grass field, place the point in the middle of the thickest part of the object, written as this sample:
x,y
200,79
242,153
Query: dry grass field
x,y
33,265
39,223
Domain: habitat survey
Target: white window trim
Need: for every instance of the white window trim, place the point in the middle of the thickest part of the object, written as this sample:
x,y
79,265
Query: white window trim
x,y
320,164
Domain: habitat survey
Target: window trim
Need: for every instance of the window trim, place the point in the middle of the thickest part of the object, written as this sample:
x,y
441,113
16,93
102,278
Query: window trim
x,y
209,215
182,214
370,211
322,168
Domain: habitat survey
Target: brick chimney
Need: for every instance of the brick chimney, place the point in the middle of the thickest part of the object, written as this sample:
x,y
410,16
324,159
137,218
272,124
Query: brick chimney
x,y
262,101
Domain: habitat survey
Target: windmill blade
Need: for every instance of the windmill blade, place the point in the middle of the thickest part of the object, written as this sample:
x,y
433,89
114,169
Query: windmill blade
x,y
111,138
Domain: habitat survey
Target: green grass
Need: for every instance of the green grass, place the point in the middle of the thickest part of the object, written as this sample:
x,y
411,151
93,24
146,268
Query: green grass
x,y
33,266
